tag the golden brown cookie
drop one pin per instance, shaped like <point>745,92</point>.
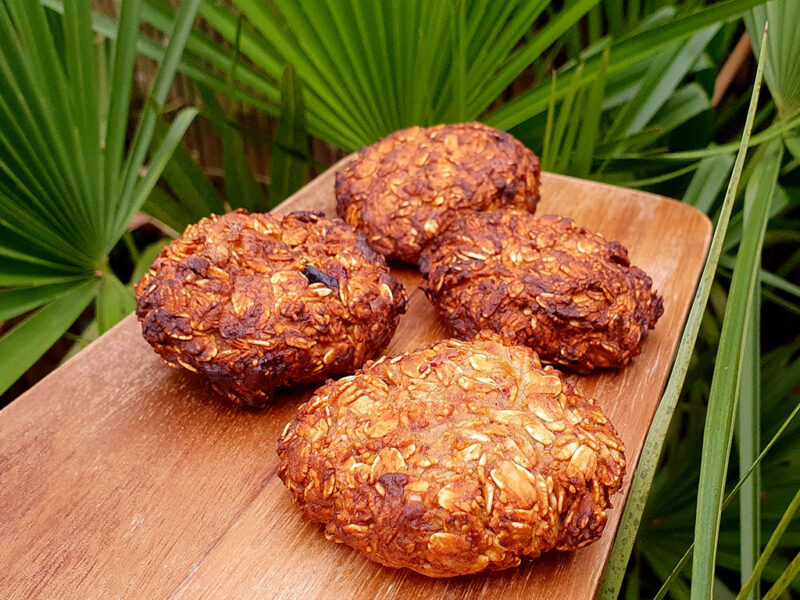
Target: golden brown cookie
<point>402,190</point>
<point>253,302</point>
<point>452,459</point>
<point>544,282</point>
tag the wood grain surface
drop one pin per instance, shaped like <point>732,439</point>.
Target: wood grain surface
<point>122,478</point>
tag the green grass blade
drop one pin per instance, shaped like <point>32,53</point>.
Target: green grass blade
<point>780,283</point>
<point>226,22</point>
<point>205,50</point>
<point>781,203</point>
<point>36,162</point>
<point>684,104</point>
<point>364,60</point>
<point>783,524</point>
<point>660,82</point>
<point>19,247</point>
<point>781,377</point>
<point>45,69</point>
<point>23,345</point>
<point>259,91</point>
<point>460,61</point>
<point>23,149</point>
<point>146,258</point>
<point>262,91</point>
<point>430,77</point>
<point>161,156</point>
<point>774,131</point>
<point>788,305</point>
<point>290,160</point>
<point>708,181</point>
<point>633,582</point>
<point>114,302</point>
<point>768,293</point>
<point>639,183</point>
<point>317,38</point>
<point>648,461</point>
<point>505,28</point>
<point>119,104</point>
<point>670,581</point>
<point>573,124</point>
<point>370,48</point>
<point>594,22</point>
<point>479,16</point>
<point>41,241</point>
<point>379,25</point>
<point>789,575</point>
<point>793,145</point>
<point>727,374</point>
<point>749,441</point>
<point>187,181</point>
<point>167,210</point>
<point>393,25</point>
<point>590,126</point>
<point>129,196</point>
<point>551,161</point>
<point>346,66</point>
<point>547,142</point>
<point>614,14</point>
<point>241,188</point>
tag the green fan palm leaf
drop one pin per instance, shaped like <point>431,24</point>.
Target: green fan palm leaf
<point>369,68</point>
<point>69,183</point>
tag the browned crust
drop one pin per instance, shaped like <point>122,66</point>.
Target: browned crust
<point>452,459</point>
<point>258,301</point>
<point>402,190</point>
<point>541,281</point>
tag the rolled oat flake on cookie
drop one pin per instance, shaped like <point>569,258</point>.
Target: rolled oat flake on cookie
<point>456,458</point>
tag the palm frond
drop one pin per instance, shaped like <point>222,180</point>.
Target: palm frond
<point>68,188</point>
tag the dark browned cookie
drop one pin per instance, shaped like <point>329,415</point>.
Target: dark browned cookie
<point>402,190</point>
<point>259,301</point>
<point>541,281</point>
<point>456,458</point>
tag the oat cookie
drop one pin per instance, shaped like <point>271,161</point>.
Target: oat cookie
<point>452,459</point>
<point>257,301</point>
<point>544,282</point>
<point>401,190</point>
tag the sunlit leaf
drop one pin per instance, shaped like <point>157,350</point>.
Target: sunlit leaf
<point>645,470</point>
<point>727,374</point>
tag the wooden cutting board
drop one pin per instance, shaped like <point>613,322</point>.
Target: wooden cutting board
<point>122,478</point>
